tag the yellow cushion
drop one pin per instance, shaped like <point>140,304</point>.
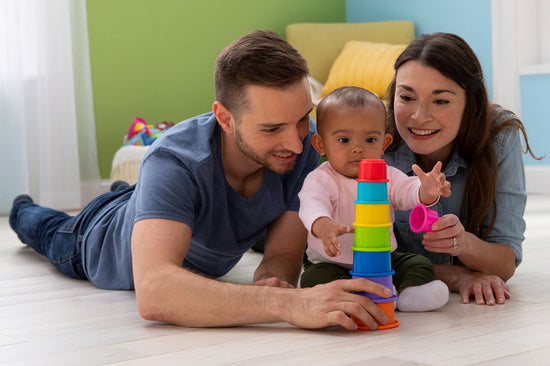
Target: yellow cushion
<point>321,43</point>
<point>368,65</point>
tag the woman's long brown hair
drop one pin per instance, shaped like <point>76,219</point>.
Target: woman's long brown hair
<point>453,58</point>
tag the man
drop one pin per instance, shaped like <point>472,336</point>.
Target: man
<point>208,190</point>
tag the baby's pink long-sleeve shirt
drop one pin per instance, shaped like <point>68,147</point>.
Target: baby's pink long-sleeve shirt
<point>328,193</point>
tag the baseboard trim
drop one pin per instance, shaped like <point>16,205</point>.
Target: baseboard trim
<point>537,178</point>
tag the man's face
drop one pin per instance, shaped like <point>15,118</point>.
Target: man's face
<point>273,125</point>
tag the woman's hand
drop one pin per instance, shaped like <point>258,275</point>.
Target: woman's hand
<point>447,236</point>
<point>485,289</point>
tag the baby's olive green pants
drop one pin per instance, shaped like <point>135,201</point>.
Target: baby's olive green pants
<point>410,270</point>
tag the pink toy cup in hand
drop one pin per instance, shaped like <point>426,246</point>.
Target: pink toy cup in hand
<point>422,218</point>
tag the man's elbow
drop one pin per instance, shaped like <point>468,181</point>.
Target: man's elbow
<point>148,305</point>
<point>156,303</point>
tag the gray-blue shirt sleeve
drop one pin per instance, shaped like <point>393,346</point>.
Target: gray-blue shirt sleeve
<point>511,195</point>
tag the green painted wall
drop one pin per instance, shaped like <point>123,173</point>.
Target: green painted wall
<point>155,58</point>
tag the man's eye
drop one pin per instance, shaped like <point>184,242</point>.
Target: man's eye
<point>271,130</point>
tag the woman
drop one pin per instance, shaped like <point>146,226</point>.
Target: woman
<point>439,111</point>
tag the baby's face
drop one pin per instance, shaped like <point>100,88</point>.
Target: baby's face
<point>350,134</point>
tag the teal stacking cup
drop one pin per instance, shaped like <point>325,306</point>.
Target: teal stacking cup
<point>369,192</point>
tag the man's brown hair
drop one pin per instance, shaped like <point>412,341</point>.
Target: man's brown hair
<point>262,58</point>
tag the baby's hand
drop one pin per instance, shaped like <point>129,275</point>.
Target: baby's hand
<point>433,184</point>
<point>329,231</point>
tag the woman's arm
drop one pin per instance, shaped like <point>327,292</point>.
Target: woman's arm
<point>476,254</point>
<point>488,265</point>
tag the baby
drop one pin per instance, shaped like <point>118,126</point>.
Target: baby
<point>351,126</point>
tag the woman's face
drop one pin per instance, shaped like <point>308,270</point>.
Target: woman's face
<point>428,111</point>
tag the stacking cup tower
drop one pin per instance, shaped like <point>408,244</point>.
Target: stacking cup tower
<point>372,247</point>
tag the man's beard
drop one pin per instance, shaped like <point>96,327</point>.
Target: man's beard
<point>247,151</point>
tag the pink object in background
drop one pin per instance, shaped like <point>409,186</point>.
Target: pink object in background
<point>422,218</point>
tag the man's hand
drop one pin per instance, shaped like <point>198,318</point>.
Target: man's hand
<point>335,303</point>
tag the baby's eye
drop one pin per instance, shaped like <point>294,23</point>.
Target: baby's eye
<point>343,140</point>
<point>371,140</point>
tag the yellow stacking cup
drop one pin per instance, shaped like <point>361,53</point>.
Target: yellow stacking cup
<point>372,214</point>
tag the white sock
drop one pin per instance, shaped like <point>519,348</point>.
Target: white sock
<point>429,296</point>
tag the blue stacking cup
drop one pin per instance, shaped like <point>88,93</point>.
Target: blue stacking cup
<point>368,192</point>
<point>371,263</point>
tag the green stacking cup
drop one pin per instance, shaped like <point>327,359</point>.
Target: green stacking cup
<point>372,237</point>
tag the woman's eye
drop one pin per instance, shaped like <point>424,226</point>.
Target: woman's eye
<point>405,98</point>
<point>442,101</point>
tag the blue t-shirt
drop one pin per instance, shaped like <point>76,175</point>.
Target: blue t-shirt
<point>181,178</point>
<point>511,197</point>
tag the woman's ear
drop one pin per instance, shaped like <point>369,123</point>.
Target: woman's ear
<point>317,143</point>
<point>387,141</point>
<point>224,117</point>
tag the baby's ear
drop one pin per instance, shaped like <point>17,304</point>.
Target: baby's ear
<point>387,140</point>
<point>317,143</point>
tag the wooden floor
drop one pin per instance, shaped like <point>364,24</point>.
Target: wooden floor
<point>46,319</point>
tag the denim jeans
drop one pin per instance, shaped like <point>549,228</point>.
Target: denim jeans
<point>57,235</point>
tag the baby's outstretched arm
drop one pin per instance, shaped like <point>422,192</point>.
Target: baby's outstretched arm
<point>329,230</point>
<point>433,184</point>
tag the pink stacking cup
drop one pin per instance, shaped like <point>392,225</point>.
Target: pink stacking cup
<point>372,170</point>
<point>422,218</point>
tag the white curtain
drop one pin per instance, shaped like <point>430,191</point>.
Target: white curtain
<point>521,46</point>
<point>47,143</point>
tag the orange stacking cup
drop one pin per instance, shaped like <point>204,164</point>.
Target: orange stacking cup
<point>390,312</point>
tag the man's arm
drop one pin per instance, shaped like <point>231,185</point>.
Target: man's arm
<point>167,292</point>
<point>284,252</point>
